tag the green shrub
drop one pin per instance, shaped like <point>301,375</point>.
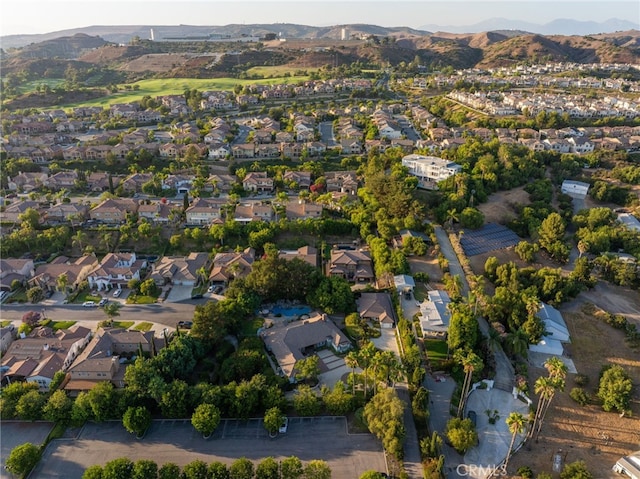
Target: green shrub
<point>526,472</point>
<point>581,379</point>
<point>580,396</point>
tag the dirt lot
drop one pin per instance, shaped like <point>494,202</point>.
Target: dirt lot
<point>500,207</point>
<point>588,433</point>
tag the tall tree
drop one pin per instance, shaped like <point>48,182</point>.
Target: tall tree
<point>516,423</point>
<point>470,362</point>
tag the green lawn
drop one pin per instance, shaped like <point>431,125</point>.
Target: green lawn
<point>177,86</point>
<point>436,352</point>
<point>250,327</point>
<point>4,323</point>
<point>86,296</point>
<point>140,299</point>
<point>56,325</point>
<point>32,86</point>
<point>144,326</point>
<point>122,324</point>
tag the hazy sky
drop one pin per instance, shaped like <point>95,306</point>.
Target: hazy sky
<point>42,16</point>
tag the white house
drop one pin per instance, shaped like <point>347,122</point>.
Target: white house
<point>430,169</point>
<point>629,465</point>
<point>556,332</point>
<point>115,271</point>
<point>435,314</point>
<point>629,221</point>
<point>404,283</point>
<point>575,189</point>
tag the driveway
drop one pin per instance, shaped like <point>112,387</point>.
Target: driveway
<point>179,293</point>
<point>308,438</point>
<point>493,439</point>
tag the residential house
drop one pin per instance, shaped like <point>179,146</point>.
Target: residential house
<point>181,270</point>
<point>12,269</point>
<point>352,265</point>
<point>300,179</point>
<point>315,148</point>
<point>268,151</point>
<point>342,181</point>
<point>301,210</point>
<point>350,147</point>
<point>204,211</point>
<point>292,342</point>
<point>181,183</point>
<point>376,307</point>
<point>100,360</point>
<point>26,182</point>
<point>115,271</point>
<point>74,213</point>
<point>291,150</point>
<point>404,283</point>
<point>46,275</point>
<point>223,183</point>
<point>13,212</point>
<point>38,357</point>
<point>134,182</point>
<point>430,169</point>
<point>435,314</point>
<point>7,335</point>
<point>255,211</point>
<point>99,181</point>
<point>284,137</point>
<point>227,266</point>
<point>157,212</point>
<point>258,182</point>
<point>556,332</point>
<point>308,254</point>
<point>219,151</point>
<point>114,210</point>
<point>244,150</point>
<point>577,189</point>
<point>62,179</point>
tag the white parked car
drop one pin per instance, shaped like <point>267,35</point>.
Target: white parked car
<point>117,293</point>
<point>89,304</point>
<point>285,425</point>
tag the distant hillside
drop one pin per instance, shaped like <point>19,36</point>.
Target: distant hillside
<point>69,47</point>
<point>557,27</point>
<point>97,61</point>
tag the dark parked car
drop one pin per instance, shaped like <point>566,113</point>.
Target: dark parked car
<point>185,324</point>
<point>196,296</point>
<point>474,418</point>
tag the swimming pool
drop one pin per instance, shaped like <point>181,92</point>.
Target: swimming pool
<point>291,310</point>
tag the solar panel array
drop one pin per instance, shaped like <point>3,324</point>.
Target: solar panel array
<point>488,238</point>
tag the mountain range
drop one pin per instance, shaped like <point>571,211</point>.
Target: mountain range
<point>124,33</point>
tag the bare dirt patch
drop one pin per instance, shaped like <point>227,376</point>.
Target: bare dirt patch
<point>157,62</point>
<point>587,433</point>
<point>501,207</point>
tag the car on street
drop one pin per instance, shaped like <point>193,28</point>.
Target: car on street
<point>103,302</point>
<point>117,293</point>
<point>196,296</point>
<point>285,425</point>
<point>89,304</point>
<point>185,324</point>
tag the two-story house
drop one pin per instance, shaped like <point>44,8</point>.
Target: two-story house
<point>352,265</point>
<point>114,210</point>
<point>115,271</point>
<point>258,182</point>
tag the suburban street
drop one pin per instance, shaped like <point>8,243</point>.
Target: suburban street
<point>167,314</point>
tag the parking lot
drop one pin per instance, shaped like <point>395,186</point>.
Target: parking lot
<point>348,455</point>
<point>15,433</point>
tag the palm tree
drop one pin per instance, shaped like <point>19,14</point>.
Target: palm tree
<point>365,355</point>
<point>452,215</point>
<point>545,388</point>
<point>493,340</point>
<point>79,239</point>
<point>351,360</point>
<point>516,423</point>
<point>61,282</point>
<point>556,368</point>
<point>583,247</point>
<point>470,363</point>
<point>518,342</point>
